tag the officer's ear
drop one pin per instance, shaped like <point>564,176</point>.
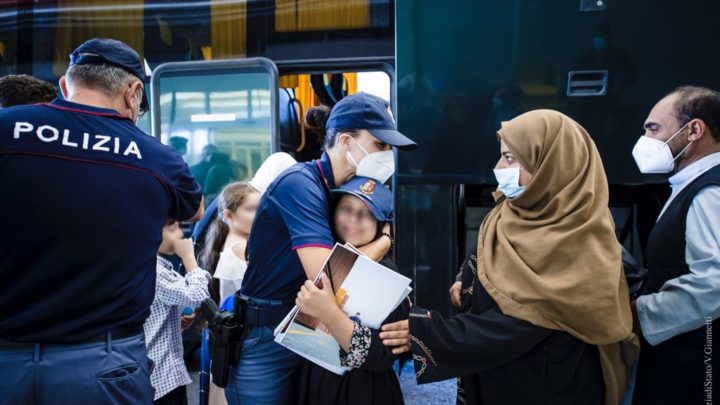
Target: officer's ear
<point>343,140</point>
<point>63,87</point>
<point>131,94</point>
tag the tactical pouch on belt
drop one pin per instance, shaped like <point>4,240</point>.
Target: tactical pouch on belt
<point>226,335</point>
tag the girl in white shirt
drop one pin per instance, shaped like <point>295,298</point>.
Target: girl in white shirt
<point>224,250</point>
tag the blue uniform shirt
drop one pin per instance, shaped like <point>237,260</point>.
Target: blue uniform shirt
<point>293,213</point>
<point>85,194</point>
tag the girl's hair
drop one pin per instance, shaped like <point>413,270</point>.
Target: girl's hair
<point>315,119</point>
<point>231,197</point>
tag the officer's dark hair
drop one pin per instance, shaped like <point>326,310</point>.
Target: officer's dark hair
<point>108,79</point>
<point>230,198</point>
<point>698,102</point>
<point>24,89</point>
<point>315,120</point>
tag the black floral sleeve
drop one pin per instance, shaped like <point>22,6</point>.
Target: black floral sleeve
<point>359,347</point>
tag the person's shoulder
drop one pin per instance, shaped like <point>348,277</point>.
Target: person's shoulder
<point>155,142</point>
<point>708,197</point>
<point>297,171</point>
<point>161,155</point>
<point>238,249</point>
<point>297,175</point>
<point>712,189</point>
<point>22,111</point>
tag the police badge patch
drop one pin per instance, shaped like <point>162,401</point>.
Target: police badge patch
<point>368,188</point>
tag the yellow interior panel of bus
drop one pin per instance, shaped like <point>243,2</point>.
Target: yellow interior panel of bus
<point>304,92</point>
<point>228,29</point>
<point>80,20</point>
<point>315,15</point>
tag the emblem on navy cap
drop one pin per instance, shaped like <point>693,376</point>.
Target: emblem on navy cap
<point>368,188</point>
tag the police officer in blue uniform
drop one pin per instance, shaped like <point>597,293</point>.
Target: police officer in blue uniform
<point>291,239</point>
<point>85,195</point>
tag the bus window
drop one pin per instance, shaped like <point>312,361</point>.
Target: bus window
<point>221,116</point>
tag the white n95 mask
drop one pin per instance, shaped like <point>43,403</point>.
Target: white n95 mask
<point>377,165</point>
<point>654,156</point>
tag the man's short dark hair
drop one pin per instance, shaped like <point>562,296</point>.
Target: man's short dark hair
<point>24,89</point>
<point>701,103</point>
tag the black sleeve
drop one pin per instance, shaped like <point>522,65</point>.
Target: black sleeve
<point>379,357</point>
<point>467,343</point>
<point>186,194</point>
<point>469,282</point>
<point>467,267</point>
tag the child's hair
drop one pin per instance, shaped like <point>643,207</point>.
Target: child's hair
<point>232,196</point>
<point>170,221</point>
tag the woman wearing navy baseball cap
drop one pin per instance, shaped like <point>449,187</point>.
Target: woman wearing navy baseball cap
<point>291,239</point>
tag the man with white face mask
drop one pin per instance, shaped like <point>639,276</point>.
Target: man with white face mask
<point>681,301</point>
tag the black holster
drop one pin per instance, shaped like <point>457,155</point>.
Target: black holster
<point>227,332</point>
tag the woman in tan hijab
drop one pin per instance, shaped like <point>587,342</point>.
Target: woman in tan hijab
<point>547,317</point>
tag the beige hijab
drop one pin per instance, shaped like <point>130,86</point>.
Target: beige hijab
<point>550,256</point>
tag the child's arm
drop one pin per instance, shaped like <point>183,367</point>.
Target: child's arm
<point>189,291</point>
<point>361,345</point>
<point>377,249</point>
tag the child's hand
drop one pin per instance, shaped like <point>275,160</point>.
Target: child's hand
<point>185,249</point>
<point>316,302</point>
<point>186,321</point>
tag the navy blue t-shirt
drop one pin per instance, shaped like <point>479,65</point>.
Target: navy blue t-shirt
<point>293,213</point>
<point>85,194</point>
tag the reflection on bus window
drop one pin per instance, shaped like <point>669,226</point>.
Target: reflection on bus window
<point>219,123</point>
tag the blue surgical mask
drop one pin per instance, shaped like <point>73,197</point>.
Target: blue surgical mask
<point>509,181</point>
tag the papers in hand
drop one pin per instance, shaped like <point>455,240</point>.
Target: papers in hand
<point>365,290</point>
